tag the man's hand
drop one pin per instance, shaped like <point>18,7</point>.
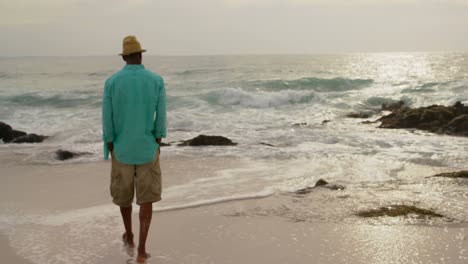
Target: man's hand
<point>158,140</point>
<point>110,146</point>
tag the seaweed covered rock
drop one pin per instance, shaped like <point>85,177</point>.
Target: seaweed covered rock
<point>451,120</point>
<point>203,140</point>
<point>398,210</point>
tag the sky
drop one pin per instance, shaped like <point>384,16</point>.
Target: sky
<point>211,27</point>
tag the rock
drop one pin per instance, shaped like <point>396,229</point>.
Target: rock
<point>65,155</point>
<point>452,120</point>
<point>458,125</point>
<point>459,174</point>
<point>17,133</point>
<point>300,124</point>
<point>203,140</point>
<point>321,182</point>
<point>392,106</point>
<point>304,190</point>
<point>398,210</point>
<point>29,138</point>
<point>359,115</point>
<point>5,132</point>
<point>368,122</point>
<point>325,121</point>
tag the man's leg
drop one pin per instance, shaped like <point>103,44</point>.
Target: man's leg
<point>127,220</point>
<point>146,213</point>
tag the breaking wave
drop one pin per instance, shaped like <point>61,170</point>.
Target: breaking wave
<point>55,101</point>
<point>259,99</point>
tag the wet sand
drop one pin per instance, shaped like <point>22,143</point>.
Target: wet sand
<point>63,214</point>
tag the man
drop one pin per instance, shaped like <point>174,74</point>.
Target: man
<point>134,121</point>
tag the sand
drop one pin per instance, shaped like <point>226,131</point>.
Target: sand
<point>63,214</point>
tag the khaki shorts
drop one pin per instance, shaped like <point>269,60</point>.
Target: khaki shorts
<point>144,178</point>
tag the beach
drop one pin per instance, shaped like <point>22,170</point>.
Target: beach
<point>294,120</point>
<point>63,214</point>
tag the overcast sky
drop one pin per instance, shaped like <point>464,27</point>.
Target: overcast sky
<point>199,27</point>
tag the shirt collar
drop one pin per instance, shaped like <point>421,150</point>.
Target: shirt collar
<point>133,67</point>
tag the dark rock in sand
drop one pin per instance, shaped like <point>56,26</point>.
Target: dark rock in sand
<point>203,140</point>
<point>29,138</point>
<point>65,154</point>
<point>322,184</point>
<point>300,124</point>
<point>451,120</point>
<point>398,210</point>
<point>267,144</point>
<point>459,174</point>
<point>325,121</point>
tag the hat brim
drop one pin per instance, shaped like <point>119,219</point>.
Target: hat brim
<point>129,53</point>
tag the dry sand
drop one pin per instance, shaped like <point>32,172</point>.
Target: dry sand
<point>70,220</point>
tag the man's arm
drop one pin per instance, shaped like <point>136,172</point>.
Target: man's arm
<point>159,127</point>
<point>107,123</point>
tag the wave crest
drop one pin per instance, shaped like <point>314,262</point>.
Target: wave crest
<point>259,99</point>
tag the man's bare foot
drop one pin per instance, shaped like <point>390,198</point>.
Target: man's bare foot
<point>128,240</point>
<point>141,258</point>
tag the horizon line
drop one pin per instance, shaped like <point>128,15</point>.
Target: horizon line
<point>239,54</point>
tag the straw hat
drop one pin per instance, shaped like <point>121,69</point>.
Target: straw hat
<point>130,46</point>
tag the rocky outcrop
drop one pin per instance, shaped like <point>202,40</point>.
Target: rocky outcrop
<point>451,120</point>
<point>29,138</point>
<point>9,135</point>
<point>203,140</point>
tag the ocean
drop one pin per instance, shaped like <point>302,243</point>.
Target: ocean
<point>274,107</point>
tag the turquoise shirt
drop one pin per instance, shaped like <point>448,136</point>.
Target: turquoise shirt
<point>133,114</point>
